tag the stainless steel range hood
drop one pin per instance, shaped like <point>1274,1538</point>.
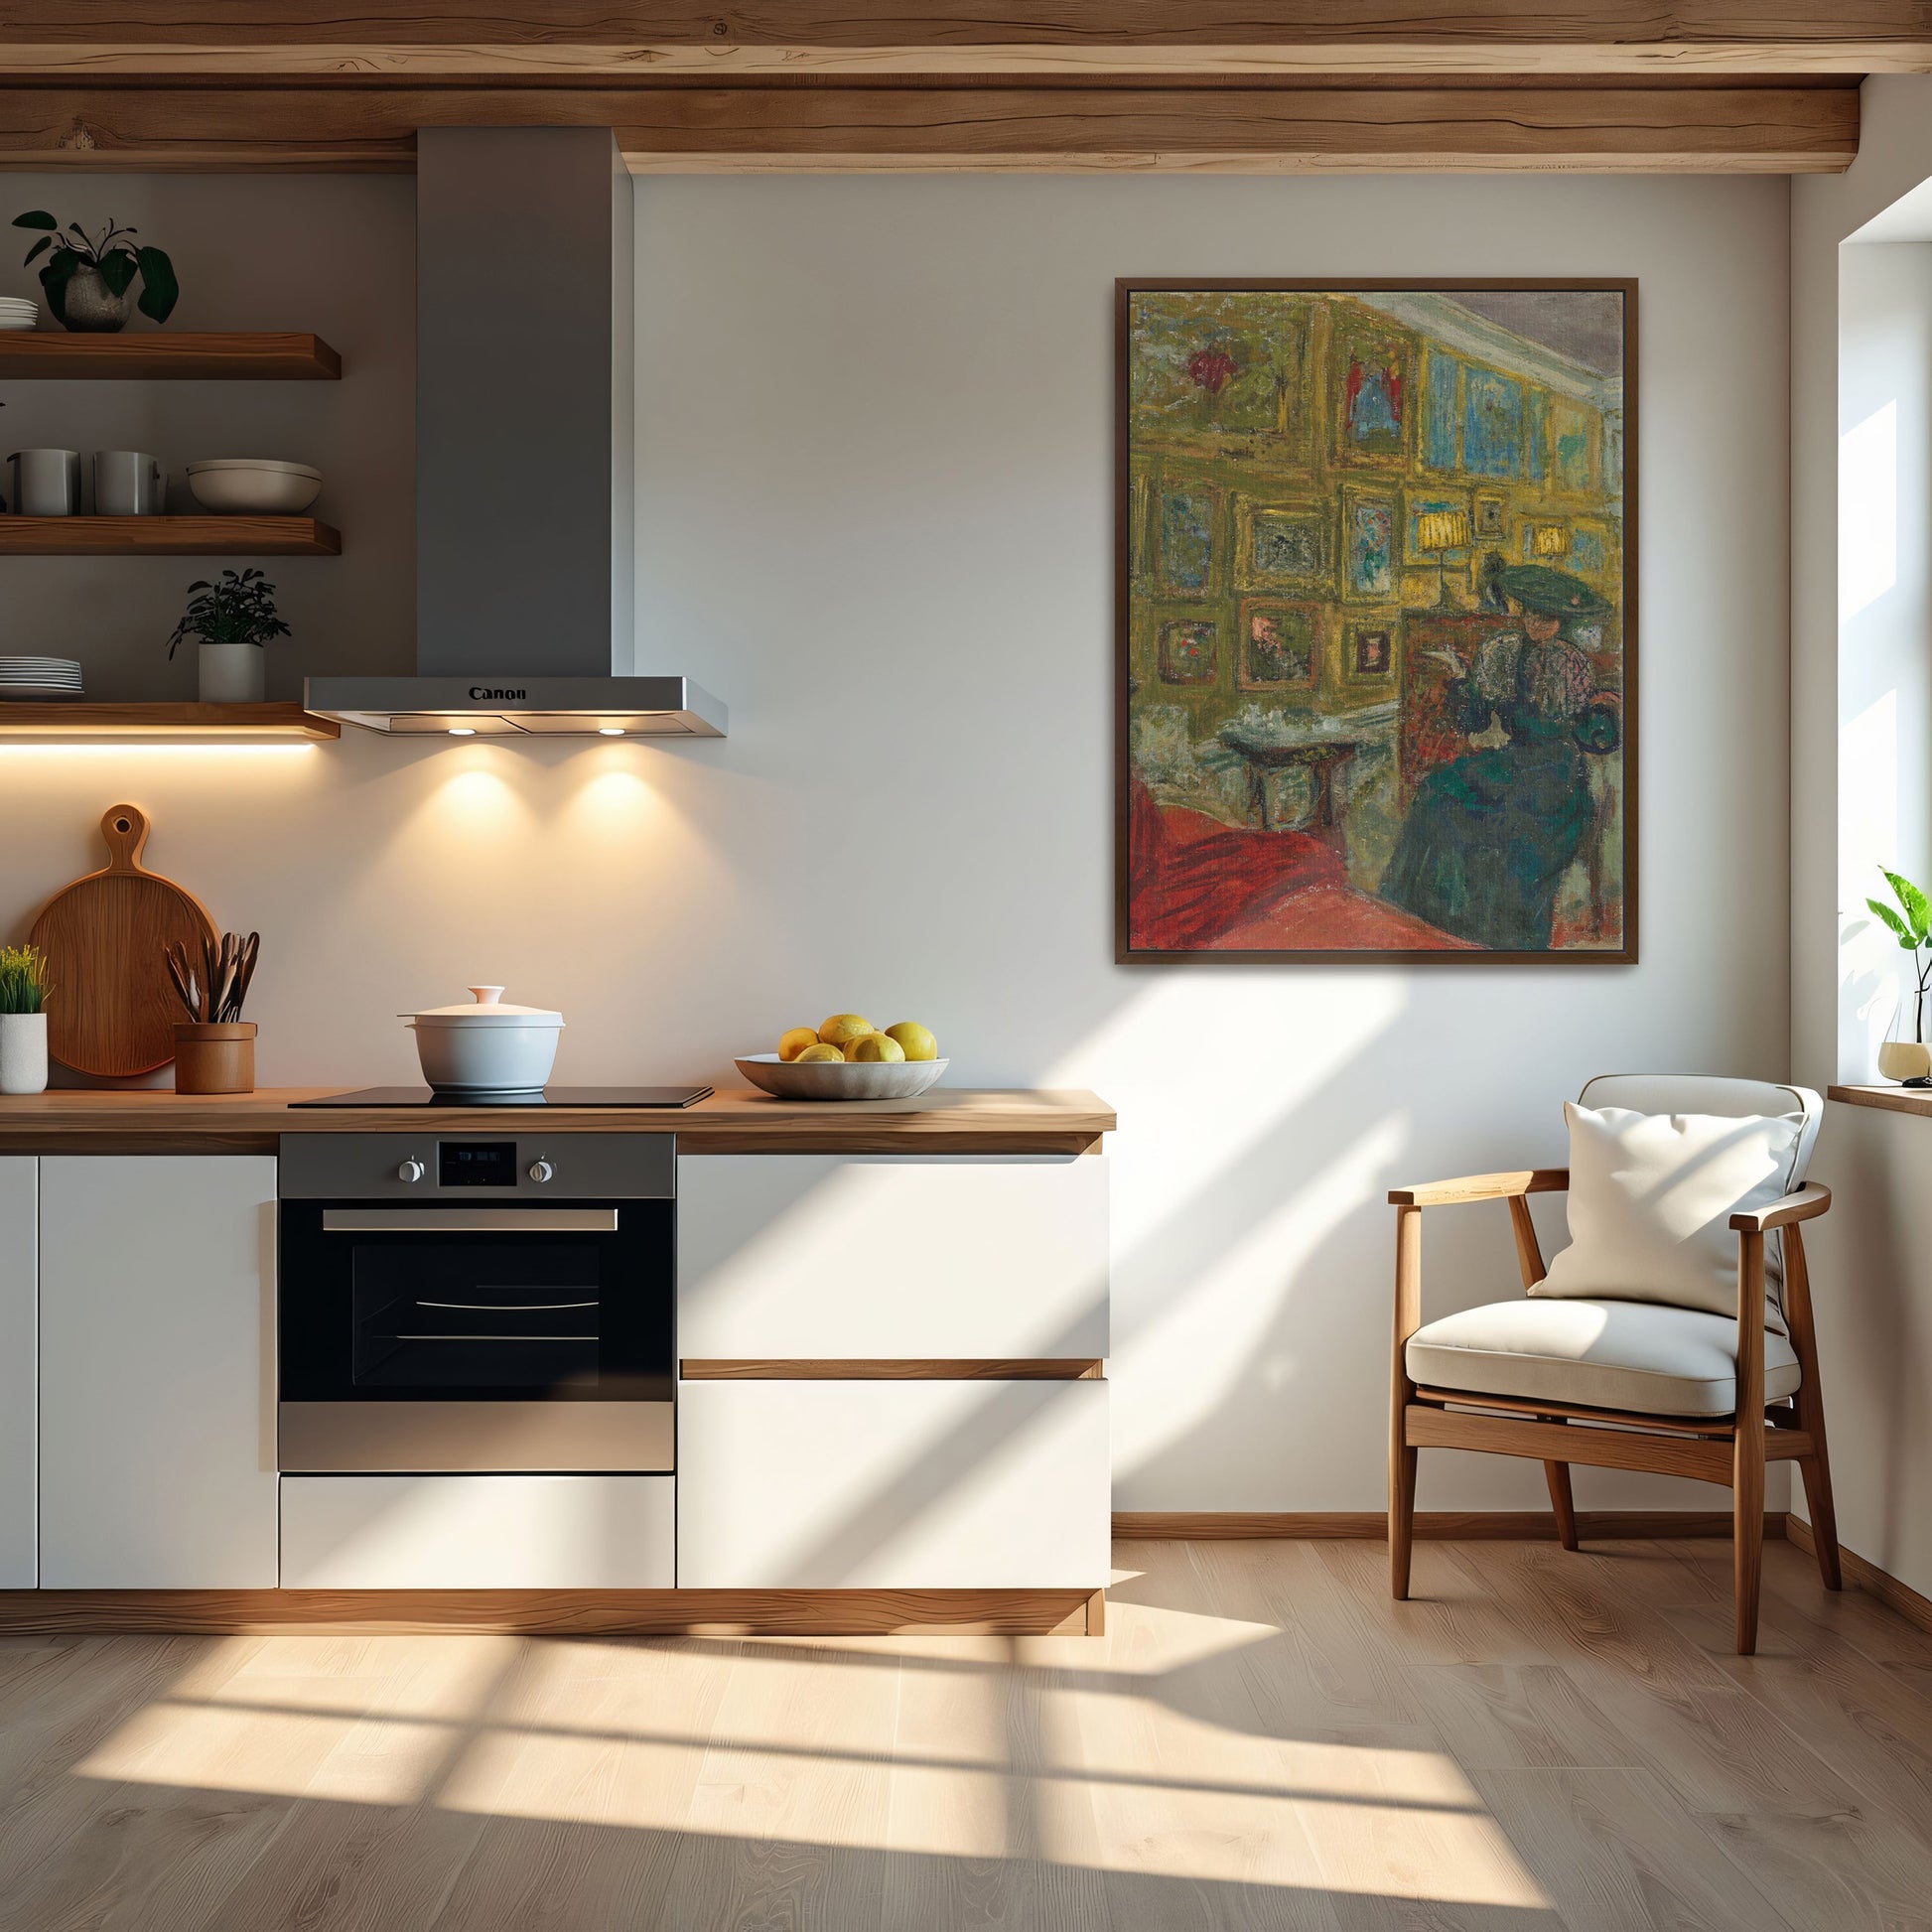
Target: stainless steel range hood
<point>524,620</point>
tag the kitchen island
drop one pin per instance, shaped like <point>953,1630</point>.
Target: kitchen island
<point>890,1336</point>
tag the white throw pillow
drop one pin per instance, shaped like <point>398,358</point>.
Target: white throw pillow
<point>1651,1196</point>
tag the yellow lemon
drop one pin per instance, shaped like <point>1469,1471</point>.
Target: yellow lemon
<point>843,1026</point>
<point>796,1039</point>
<point>916,1039</point>
<point>875,1047</point>
<point>812,1055</point>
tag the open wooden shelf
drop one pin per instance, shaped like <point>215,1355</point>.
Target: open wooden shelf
<point>104,720</point>
<point>168,536</point>
<point>204,358</point>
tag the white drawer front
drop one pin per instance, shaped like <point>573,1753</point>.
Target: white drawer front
<point>893,1485</point>
<point>820,1257</point>
<point>497,1532</point>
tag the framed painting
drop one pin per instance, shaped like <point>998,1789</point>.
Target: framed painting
<point>1375,625</point>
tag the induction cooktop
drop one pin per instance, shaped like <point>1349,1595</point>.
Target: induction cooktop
<point>549,1097</point>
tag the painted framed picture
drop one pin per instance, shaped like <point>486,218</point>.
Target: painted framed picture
<point>1368,650</point>
<point>1189,651</point>
<point>1280,645</point>
<point>1368,543</point>
<point>1377,665</point>
<point>1284,543</point>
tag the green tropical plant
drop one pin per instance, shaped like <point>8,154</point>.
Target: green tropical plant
<point>1911,927</point>
<point>238,609</point>
<point>24,985</point>
<point>113,253</point>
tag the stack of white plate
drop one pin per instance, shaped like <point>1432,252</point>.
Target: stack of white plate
<point>40,678</point>
<point>17,311</point>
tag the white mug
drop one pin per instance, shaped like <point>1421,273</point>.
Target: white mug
<point>126,483</point>
<point>47,482</point>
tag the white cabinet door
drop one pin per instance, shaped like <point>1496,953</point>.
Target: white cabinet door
<point>893,1485</point>
<point>494,1532</point>
<point>19,1351</point>
<point>822,1257</point>
<point>157,1372</point>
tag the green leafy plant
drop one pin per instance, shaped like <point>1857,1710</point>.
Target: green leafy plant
<point>24,985</point>
<point>1911,927</point>
<point>238,609</point>
<point>113,253</point>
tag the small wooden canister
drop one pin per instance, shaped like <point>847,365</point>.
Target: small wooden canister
<point>214,1059</point>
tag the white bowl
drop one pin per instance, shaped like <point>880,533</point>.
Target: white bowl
<point>238,487</point>
<point>841,1079</point>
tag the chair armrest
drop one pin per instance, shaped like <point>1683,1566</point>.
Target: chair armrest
<point>1809,1201</point>
<point>1482,1186</point>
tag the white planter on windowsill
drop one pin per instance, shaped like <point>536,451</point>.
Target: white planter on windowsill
<point>234,673</point>
<point>23,1053</point>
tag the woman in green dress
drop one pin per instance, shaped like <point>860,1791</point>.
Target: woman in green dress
<point>1488,837</point>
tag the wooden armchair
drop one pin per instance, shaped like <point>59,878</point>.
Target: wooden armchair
<point>1724,1427</point>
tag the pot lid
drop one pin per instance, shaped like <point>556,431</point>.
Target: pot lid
<point>489,1010</point>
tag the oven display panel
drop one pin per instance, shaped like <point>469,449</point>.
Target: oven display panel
<point>477,1163</point>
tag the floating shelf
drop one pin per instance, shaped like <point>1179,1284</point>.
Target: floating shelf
<point>105,721</point>
<point>168,536</point>
<point>42,356</point>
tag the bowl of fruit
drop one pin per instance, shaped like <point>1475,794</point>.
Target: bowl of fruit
<point>847,1058</point>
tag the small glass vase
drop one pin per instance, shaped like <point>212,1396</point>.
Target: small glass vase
<point>1906,1056</point>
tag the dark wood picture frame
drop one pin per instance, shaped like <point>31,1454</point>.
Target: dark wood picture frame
<point>1125,289</point>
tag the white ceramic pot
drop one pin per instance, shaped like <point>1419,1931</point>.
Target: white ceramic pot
<point>488,1048</point>
<point>23,1053</point>
<point>234,673</point>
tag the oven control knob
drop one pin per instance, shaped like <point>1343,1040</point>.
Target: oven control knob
<point>411,1170</point>
<point>541,1170</point>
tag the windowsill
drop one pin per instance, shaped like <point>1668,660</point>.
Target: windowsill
<point>1893,1100</point>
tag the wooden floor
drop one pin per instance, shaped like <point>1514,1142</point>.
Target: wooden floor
<point>1261,1740</point>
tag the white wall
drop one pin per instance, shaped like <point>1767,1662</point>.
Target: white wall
<point>875,513</point>
<point>1862,786</point>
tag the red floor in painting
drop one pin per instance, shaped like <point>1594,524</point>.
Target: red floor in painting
<point>1199,886</point>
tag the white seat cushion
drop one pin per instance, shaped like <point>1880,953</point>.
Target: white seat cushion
<point>1641,1355</point>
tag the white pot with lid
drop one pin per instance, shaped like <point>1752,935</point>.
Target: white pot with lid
<point>487,1049</point>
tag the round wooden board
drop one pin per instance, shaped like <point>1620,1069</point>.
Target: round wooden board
<point>113,1010</point>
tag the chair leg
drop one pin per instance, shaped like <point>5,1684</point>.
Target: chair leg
<point>1402,1517</point>
<point>1561,1502</point>
<point>1817,1467</point>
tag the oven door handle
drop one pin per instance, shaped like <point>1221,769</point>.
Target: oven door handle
<point>469,1220</point>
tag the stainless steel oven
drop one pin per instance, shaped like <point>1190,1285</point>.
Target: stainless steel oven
<point>478,1302</point>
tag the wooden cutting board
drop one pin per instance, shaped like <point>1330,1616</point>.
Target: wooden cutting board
<point>114,1009</point>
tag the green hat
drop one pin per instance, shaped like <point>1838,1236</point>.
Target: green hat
<point>1548,593</point>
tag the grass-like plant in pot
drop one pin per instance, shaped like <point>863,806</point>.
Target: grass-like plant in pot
<point>87,278</point>
<point>25,988</point>
<point>233,618</point>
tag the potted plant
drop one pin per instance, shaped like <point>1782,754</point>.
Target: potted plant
<point>87,280</point>
<point>233,619</point>
<point>1906,1056</point>
<point>24,988</point>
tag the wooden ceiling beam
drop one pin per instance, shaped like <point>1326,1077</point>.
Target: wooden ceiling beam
<point>1220,128</point>
<point>426,41</point>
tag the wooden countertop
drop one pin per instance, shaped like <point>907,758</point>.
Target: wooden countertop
<point>949,1120</point>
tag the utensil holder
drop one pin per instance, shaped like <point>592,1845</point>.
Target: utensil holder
<point>214,1058</point>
